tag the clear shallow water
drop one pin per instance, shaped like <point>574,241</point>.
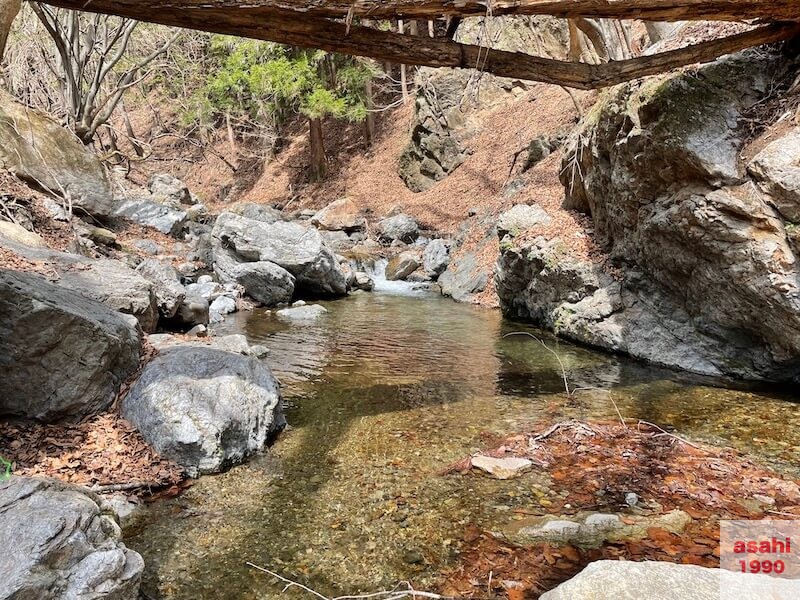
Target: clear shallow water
<point>382,393</point>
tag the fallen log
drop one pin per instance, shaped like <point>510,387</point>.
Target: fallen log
<point>310,32</point>
<point>653,10</point>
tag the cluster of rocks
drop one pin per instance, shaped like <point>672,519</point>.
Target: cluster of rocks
<point>61,542</point>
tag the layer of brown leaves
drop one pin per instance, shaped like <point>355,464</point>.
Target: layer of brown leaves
<point>104,450</point>
<point>597,463</point>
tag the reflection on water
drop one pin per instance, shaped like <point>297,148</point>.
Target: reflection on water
<point>382,393</point>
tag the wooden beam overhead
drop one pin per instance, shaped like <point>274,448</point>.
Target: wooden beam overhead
<point>652,10</point>
<point>288,27</point>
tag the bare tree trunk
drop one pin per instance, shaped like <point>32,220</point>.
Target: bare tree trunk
<point>137,146</point>
<point>369,122</point>
<point>403,72</point>
<point>319,163</point>
<point>8,11</point>
<point>231,138</point>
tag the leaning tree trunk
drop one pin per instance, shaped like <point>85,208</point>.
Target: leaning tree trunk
<point>319,163</point>
<point>8,11</point>
<point>369,121</point>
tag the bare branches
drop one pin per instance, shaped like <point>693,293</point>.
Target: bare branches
<point>92,62</point>
<point>570,391</point>
<point>396,594</point>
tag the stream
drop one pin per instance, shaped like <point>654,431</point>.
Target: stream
<point>382,393</point>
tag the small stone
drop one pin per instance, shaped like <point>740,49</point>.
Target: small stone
<point>259,351</point>
<point>198,331</point>
<point>501,468</point>
<point>220,307</point>
<point>631,499</point>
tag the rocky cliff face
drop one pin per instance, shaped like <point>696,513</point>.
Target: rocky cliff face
<point>703,243</point>
<point>449,101</point>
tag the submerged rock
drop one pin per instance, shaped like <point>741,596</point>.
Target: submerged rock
<point>596,529</point>
<point>302,313</point>
<point>206,409</point>
<point>57,545</point>
<point>61,355</point>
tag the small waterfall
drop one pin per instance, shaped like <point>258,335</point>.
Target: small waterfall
<point>377,271</point>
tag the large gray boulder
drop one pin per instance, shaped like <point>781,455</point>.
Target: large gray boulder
<point>41,152</point>
<point>707,277</point>
<point>106,280</point>
<point>169,190</point>
<point>436,257</point>
<point>263,281</point>
<point>167,286</point>
<point>299,249</point>
<point>160,217</point>
<point>626,580</point>
<point>521,218</point>
<point>259,212</point>
<point>206,409</point>
<point>401,266</point>
<point>463,278</point>
<point>340,215</point>
<point>58,545</point>
<point>403,228</point>
<point>61,355</point>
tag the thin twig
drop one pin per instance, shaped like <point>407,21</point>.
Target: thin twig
<point>570,393</point>
<point>395,594</point>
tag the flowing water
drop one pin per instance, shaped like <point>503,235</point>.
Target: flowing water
<point>382,393</point>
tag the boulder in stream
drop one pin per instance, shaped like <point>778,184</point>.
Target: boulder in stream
<point>298,249</point>
<point>401,266</point>
<point>263,281</point>
<point>204,408</point>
